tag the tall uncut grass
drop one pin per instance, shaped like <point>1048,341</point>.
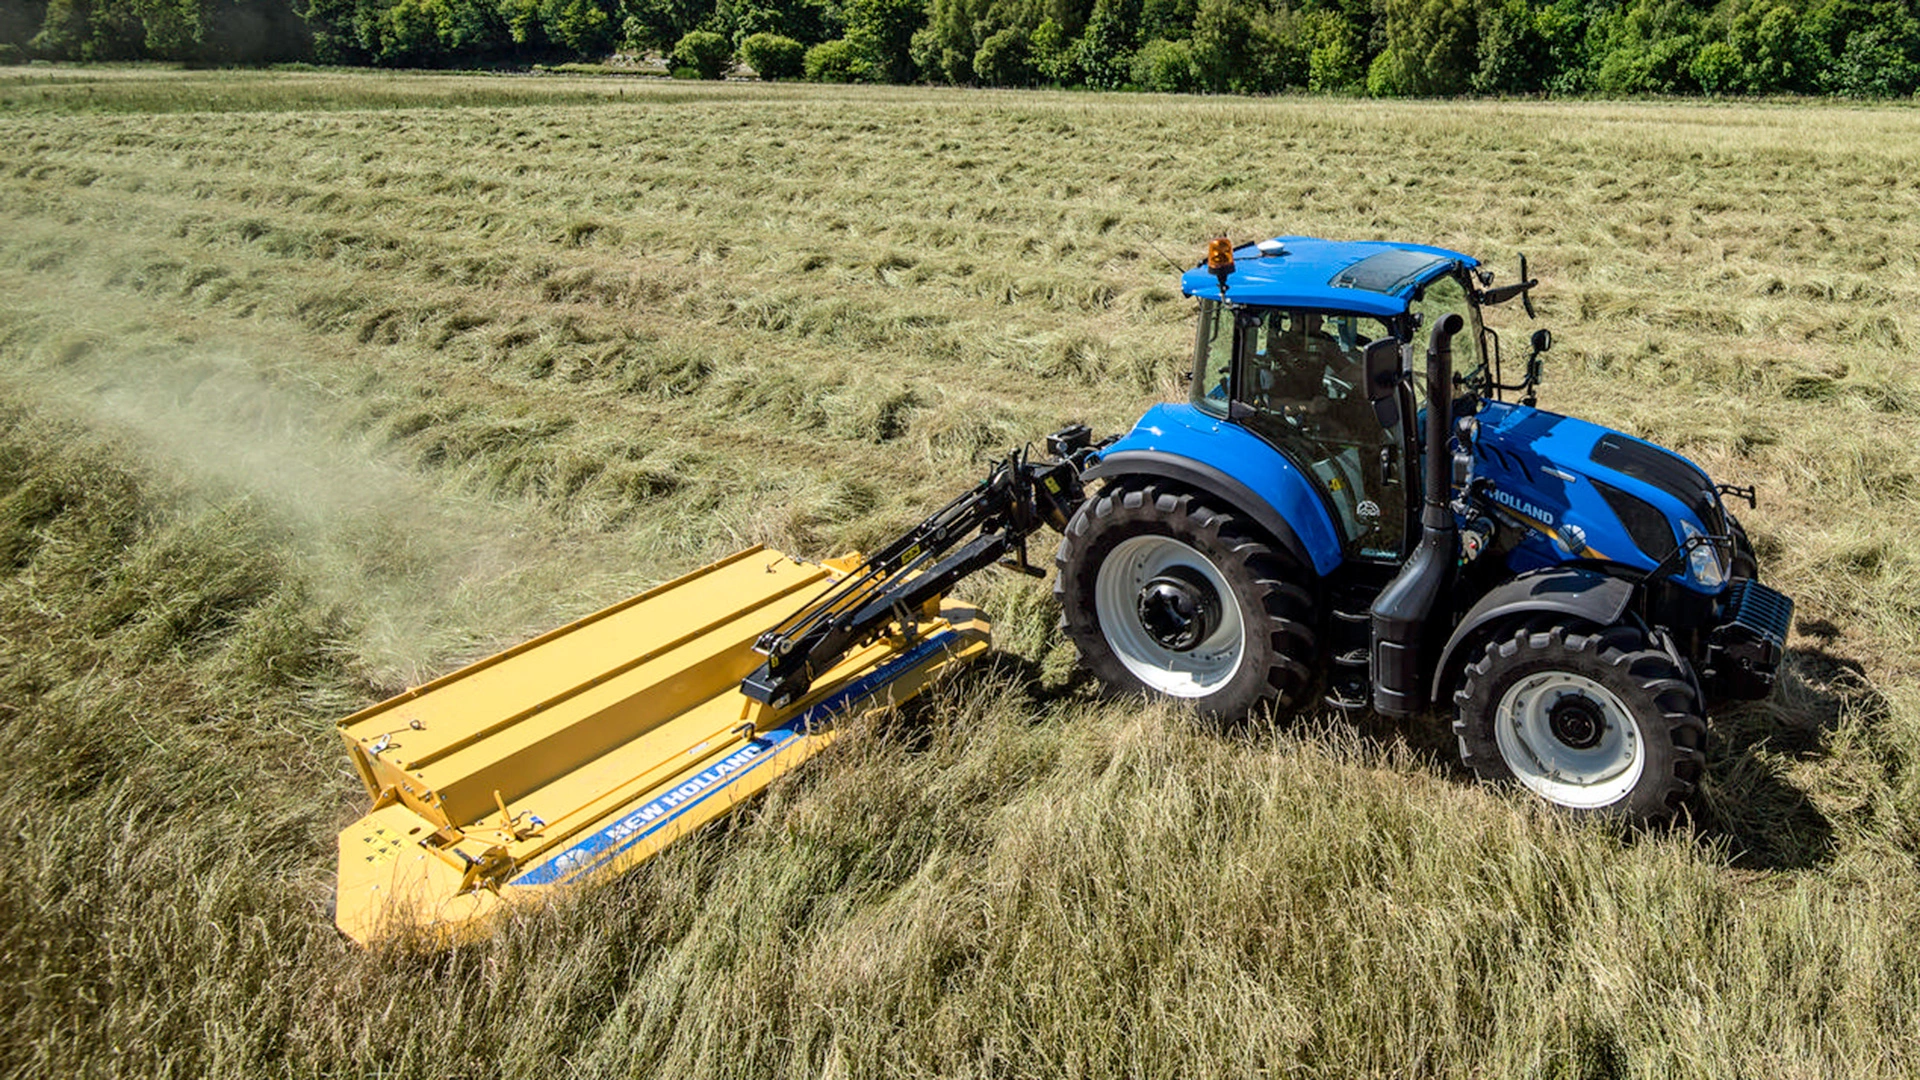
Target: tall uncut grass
<point>314,385</point>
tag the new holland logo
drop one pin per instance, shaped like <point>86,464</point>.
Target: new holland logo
<point>1521,506</point>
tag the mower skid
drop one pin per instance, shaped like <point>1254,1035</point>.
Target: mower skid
<point>588,749</point>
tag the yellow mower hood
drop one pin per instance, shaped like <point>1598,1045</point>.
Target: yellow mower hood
<point>586,750</point>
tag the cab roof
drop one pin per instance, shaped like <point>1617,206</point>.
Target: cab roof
<point>1369,277</point>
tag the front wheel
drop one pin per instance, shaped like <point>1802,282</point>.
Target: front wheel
<point>1162,592</point>
<point>1599,721</point>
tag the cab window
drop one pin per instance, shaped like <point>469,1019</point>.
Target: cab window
<point>1213,358</point>
<point>1301,374</point>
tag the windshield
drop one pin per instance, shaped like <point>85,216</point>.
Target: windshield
<point>1441,297</point>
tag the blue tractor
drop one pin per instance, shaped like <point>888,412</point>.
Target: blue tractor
<point>1336,514</point>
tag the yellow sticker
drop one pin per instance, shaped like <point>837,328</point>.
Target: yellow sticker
<point>381,845</point>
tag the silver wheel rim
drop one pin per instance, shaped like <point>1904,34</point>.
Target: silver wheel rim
<point>1549,765</point>
<point>1194,673</point>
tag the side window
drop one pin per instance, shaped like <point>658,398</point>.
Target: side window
<point>1302,373</point>
<point>1213,358</point>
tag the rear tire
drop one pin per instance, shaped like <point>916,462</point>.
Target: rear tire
<point>1162,592</point>
<point>1596,721</point>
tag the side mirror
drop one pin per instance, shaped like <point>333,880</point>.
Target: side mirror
<point>1384,370</point>
<point>1542,341</point>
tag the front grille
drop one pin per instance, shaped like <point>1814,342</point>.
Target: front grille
<point>1767,613</point>
<point>1744,653</point>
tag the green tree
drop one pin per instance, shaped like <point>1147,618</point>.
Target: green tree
<point>805,21</point>
<point>880,32</point>
<point>706,52</point>
<point>522,19</point>
<point>174,29</point>
<point>583,27</point>
<point>1764,35</point>
<point>1005,58</point>
<point>1717,68</point>
<point>813,21</point>
<point>1103,54</point>
<point>1337,63</point>
<point>1165,67</point>
<point>1221,33</point>
<point>945,47</point>
<point>1879,61</point>
<point>1430,49</point>
<point>833,61</point>
<point>1563,30</point>
<point>774,56</point>
<point>1052,52</point>
<point>1280,51</point>
<point>90,30</point>
<point>331,24</point>
<point>1861,48</point>
<point>658,24</point>
<point>1646,47</point>
<point>1169,20</point>
<point>1512,53</point>
<point>473,28</point>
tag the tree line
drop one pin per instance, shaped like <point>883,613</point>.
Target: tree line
<point>1854,48</point>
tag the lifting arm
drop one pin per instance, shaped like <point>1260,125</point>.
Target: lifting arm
<point>993,520</point>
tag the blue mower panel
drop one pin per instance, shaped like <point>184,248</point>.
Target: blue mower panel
<point>1366,277</point>
<point>1181,443</point>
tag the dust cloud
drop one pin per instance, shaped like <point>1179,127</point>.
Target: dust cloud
<point>430,577</point>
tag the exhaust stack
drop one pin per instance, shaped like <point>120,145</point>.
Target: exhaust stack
<point>1402,615</point>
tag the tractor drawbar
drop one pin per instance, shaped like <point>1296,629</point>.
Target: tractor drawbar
<point>1402,615</point>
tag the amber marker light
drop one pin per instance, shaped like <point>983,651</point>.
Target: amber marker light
<point>1220,260</point>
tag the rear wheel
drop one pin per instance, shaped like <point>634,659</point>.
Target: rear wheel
<point>1599,721</point>
<point>1162,592</point>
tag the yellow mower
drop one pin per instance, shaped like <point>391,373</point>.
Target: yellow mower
<point>590,748</point>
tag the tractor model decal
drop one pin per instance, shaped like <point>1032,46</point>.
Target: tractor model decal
<point>1521,506</point>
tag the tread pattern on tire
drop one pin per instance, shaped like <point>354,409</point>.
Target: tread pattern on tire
<point>1621,655</point>
<point>1273,588</point>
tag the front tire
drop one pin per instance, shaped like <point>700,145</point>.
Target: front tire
<point>1162,592</point>
<point>1597,721</point>
<point>1744,564</point>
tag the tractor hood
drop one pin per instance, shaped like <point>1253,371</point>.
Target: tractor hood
<point>1585,492</point>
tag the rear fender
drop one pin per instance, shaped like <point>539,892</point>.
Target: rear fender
<point>1569,592</point>
<point>1177,443</point>
<point>1203,478</point>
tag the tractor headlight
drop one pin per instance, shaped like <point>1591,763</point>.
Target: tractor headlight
<point>1703,559</point>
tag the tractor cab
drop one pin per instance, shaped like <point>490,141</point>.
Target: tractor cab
<point>1283,336</point>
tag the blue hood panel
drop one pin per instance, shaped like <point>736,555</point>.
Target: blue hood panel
<point>1545,476</point>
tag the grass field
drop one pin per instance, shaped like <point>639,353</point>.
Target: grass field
<point>314,384</point>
